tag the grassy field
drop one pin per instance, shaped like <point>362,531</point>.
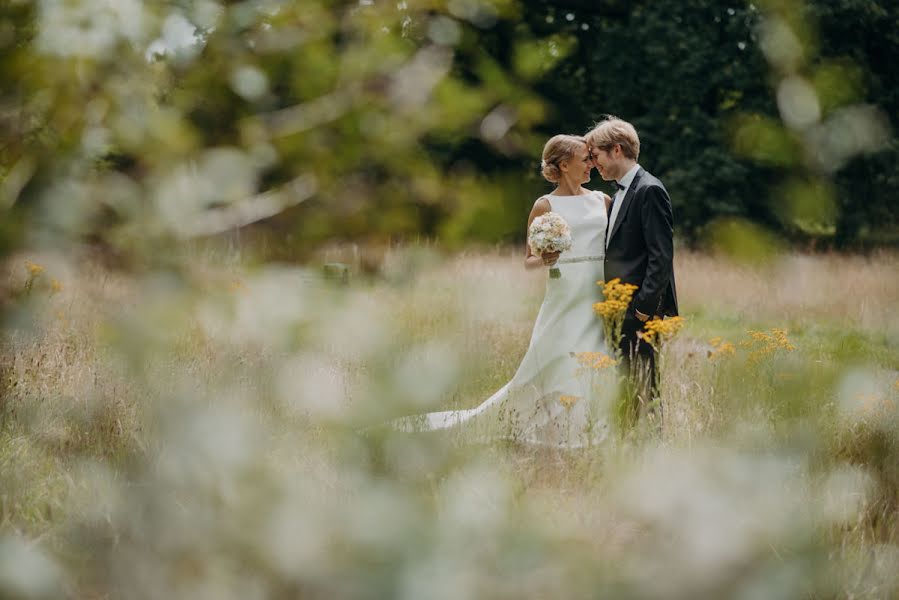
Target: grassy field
<point>205,433</point>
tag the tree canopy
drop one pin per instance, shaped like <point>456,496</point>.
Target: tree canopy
<point>136,125</point>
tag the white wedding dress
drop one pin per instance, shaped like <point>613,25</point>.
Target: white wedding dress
<point>552,399</point>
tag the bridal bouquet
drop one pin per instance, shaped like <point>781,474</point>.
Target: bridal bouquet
<point>549,233</point>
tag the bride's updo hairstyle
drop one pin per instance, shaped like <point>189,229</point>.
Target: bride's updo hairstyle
<point>557,150</point>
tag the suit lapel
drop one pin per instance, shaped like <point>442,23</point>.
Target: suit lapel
<point>625,203</point>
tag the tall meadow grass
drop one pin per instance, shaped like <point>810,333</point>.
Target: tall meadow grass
<point>215,432</point>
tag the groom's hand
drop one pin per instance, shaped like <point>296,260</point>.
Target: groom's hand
<point>550,258</point>
<point>640,316</point>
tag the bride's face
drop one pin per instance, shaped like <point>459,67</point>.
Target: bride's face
<point>578,167</point>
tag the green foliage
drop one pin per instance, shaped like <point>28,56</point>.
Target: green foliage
<point>122,130</point>
<point>366,122</point>
<point>701,85</point>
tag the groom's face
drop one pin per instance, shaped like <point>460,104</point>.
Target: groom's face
<point>606,161</point>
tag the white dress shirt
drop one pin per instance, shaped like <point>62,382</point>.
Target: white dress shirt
<point>619,198</point>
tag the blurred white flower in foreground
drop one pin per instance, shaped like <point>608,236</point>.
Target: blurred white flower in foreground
<point>25,572</point>
<point>90,28</point>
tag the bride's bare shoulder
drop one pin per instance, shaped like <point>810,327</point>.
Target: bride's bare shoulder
<point>541,205</point>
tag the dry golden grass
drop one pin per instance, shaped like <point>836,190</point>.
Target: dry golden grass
<point>860,292</point>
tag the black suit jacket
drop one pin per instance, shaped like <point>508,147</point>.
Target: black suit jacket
<point>641,249</point>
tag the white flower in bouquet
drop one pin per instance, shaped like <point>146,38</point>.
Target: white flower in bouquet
<point>549,233</point>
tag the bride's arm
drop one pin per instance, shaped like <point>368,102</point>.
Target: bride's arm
<point>608,200</point>
<point>532,261</point>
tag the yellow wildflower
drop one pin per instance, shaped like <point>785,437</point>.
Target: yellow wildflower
<point>780,338</point>
<point>614,290</point>
<point>595,360</point>
<point>568,401</point>
<point>720,348</point>
<point>617,298</point>
<point>55,286</point>
<point>658,331</point>
<point>764,343</point>
<point>34,269</point>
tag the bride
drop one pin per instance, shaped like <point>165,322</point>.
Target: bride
<point>558,396</point>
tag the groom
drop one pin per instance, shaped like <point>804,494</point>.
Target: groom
<point>639,248</point>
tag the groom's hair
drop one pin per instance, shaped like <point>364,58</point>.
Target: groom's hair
<point>611,130</point>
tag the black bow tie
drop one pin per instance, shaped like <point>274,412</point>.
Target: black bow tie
<point>620,187</point>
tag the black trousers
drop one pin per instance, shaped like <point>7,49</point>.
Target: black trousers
<point>638,365</point>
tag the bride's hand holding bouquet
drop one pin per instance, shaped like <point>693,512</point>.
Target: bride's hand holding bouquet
<point>549,236</point>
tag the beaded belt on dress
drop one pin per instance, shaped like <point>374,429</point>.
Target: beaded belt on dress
<point>577,259</point>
